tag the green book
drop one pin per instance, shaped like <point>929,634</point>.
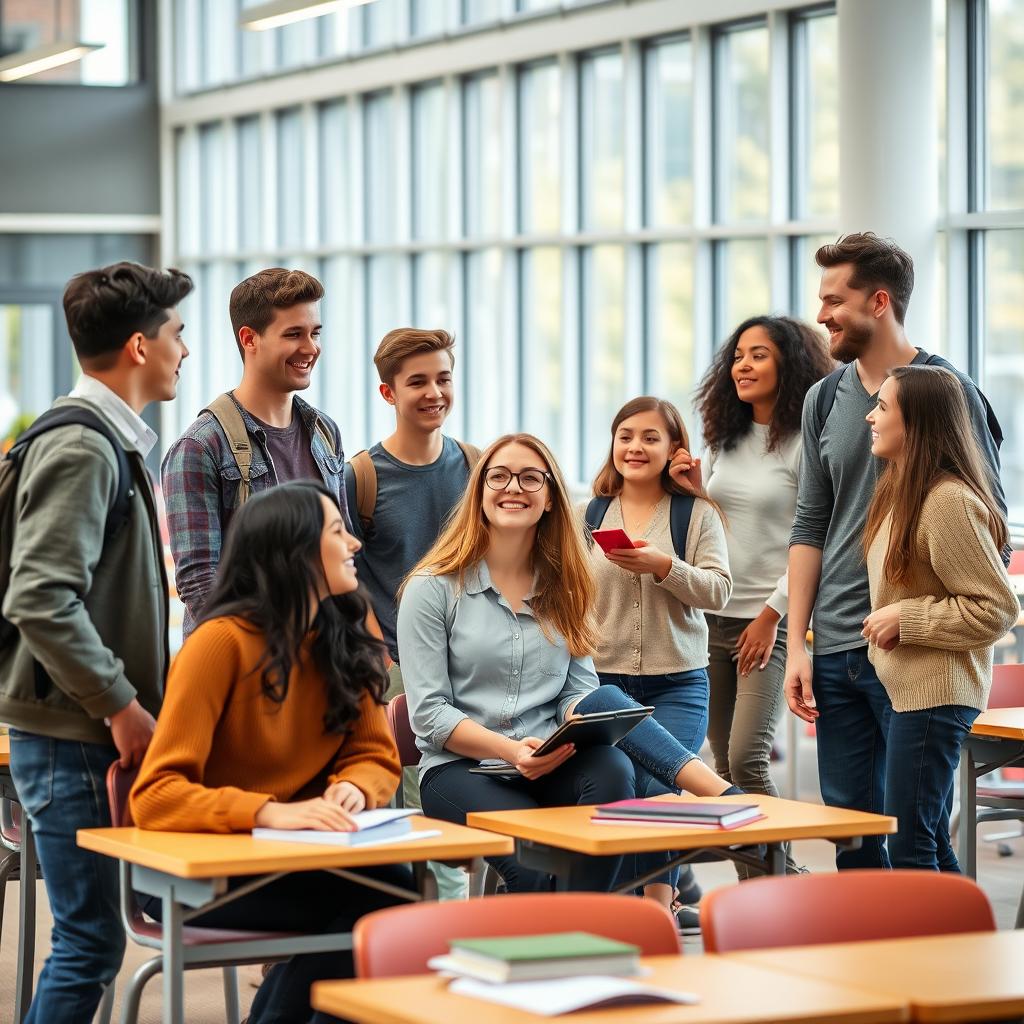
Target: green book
<point>534,957</point>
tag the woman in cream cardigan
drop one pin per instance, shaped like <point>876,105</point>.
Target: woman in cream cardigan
<point>940,598</point>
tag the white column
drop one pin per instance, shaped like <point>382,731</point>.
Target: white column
<point>888,175</point>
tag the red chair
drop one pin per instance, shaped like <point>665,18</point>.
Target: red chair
<point>850,906</point>
<point>1016,566</point>
<point>401,729</point>
<point>1004,800</point>
<point>400,940</point>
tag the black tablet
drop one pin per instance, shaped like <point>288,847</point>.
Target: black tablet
<point>603,728</point>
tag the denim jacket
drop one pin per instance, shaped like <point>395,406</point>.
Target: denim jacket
<point>201,481</point>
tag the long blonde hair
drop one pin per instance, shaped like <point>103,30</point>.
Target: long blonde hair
<point>564,591</point>
<point>939,443</point>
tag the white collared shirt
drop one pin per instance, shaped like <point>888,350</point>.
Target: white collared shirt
<point>138,433</point>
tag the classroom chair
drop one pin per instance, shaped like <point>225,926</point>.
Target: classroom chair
<point>400,940</point>
<point>848,906</point>
<point>200,943</point>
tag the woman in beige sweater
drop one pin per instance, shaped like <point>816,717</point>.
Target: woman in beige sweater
<point>940,598</point>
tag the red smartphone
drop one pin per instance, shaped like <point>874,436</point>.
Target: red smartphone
<point>612,540</point>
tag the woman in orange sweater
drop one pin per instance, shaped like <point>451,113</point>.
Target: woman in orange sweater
<point>273,717</point>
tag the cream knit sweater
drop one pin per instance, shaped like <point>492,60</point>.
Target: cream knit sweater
<point>957,602</point>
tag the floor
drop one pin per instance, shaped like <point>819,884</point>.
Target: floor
<point>1001,877</point>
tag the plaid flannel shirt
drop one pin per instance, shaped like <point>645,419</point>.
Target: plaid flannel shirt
<point>201,481</point>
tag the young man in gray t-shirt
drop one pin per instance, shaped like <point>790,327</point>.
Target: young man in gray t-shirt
<point>865,287</point>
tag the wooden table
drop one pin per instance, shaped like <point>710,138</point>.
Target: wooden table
<point>547,837</point>
<point>730,991</point>
<point>27,867</point>
<point>190,872</point>
<point>995,741</point>
<point>969,977</point>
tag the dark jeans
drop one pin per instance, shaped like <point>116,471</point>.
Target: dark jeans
<point>874,759</point>
<point>62,787</point>
<point>680,701</point>
<point>307,901</point>
<point>591,776</point>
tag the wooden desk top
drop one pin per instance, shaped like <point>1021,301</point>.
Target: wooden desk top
<point>1006,723</point>
<point>570,828</point>
<point>729,995</point>
<point>208,855</point>
<point>5,750</point>
<point>968,977</point>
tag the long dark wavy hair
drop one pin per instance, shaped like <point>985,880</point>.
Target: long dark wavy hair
<point>270,573</point>
<point>803,360</point>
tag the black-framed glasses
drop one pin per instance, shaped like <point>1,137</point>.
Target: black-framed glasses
<point>499,477</point>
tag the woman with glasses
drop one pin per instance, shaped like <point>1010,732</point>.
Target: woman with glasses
<point>496,633</point>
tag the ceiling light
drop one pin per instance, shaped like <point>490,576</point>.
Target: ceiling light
<point>43,58</point>
<point>276,13</point>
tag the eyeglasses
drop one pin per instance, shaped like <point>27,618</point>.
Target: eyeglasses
<point>499,477</point>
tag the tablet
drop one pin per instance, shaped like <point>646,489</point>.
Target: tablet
<point>603,728</point>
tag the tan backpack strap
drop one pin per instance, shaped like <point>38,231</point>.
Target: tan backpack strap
<point>471,453</point>
<point>366,487</point>
<point>226,413</point>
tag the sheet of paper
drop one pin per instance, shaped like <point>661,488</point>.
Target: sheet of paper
<point>563,995</point>
<point>332,838</point>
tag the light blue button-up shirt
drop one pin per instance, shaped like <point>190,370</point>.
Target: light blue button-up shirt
<point>468,655</point>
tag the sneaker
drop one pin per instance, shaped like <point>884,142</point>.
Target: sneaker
<point>689,889</point>
<point>688,920</point>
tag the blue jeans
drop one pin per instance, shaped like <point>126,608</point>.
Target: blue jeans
<point>680,701</point>
<point>62,787</point>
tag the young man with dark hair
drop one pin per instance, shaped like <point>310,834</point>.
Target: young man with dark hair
<point>866,284</point>
<point>255,437</point>
<point>83,676</point>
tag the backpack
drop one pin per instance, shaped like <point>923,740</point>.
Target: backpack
<point>225,411</point>
<point>680,511</point>
<point>10,470</point>
<point>826,397</point>
<point>366,482</point>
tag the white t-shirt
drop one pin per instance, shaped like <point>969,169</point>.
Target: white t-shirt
<point>756,489</point>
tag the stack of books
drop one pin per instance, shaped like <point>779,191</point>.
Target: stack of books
<point>676,812</point>
<point>386,824</point>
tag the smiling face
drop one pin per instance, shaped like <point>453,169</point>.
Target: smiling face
<point>514,507</point>
<point>337,551</point>
<point>284,355</point>
<point>847,313</point>
<point>641,447</point>
<point>888,433</point>
<point>164,353</point>
<point>755,367</point>
<point>422,392</point>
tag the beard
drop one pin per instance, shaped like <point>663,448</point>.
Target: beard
<point>851,344</point>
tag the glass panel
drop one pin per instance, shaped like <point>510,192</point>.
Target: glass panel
<point>741,123</point>
<point>383,314</point>
<point>542,346</point>
<point>819,151</point>
<point>379,144</point>
<point>428,18</point>
<point>290,181</point>
<point>540,142</point>
<point>334,179</point>
<point>27,382</point>
<point>1005,104</point>
<point>809,277</point>
<point>1003,358</point>
<point>670,323</point>
<point>474,12</point>
<point>535,5</point>
<point>744,281</point>
<point>343,366</point>
<point>482,149</point>
<point>220,29</point>
<point>250,183</point>
<point>604,271</point>
<point>185,199</point>
<point>490,402</point>
<point>380,23</point>
<point>51,260</point>
<point>212,188</point>
<point>430,156</point>
<point>431,284</point>
<point>669,133</point>
<point>601,140</point>
<point>297,43</point>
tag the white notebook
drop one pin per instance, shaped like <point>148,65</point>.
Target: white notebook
<point>384,825</point>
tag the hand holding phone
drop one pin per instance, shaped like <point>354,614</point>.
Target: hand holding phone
<point>612,540</point>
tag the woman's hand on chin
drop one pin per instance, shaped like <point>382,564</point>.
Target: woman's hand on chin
<point>534,767</point>
<point>316,814</point>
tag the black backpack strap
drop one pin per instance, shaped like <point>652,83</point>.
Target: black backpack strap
<point>68,416</point>
<point>680,513</point>
<point>994,427</point>
<point>596,509</point>
<point>826,398</point>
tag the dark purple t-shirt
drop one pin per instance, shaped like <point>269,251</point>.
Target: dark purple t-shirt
<point>290,451</point>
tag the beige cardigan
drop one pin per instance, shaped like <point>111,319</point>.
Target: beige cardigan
<point>956,603</point>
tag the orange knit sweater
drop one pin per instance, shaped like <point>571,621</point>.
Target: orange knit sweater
<point>222,749</point>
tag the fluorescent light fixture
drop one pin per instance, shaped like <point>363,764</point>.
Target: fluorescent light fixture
<point>275,13</point>
<point>43,58</point>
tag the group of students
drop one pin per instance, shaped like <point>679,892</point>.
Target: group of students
<point>315,588</point>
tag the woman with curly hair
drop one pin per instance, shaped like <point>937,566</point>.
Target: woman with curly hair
<point>750,402</point>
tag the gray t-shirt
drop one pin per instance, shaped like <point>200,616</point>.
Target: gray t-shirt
<point>837,483</point>
<point>291,451</point>
<point>412,505</point>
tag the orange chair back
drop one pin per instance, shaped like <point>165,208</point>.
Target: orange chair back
<point>405,738</point>
<point>119,785</point>
<point>400,940</point>
<point>851,906</point>
<point>1007,687</point>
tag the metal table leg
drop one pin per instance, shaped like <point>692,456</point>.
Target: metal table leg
<point>174,960</point>
<point>27,929</point>
<point>967,836</point>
